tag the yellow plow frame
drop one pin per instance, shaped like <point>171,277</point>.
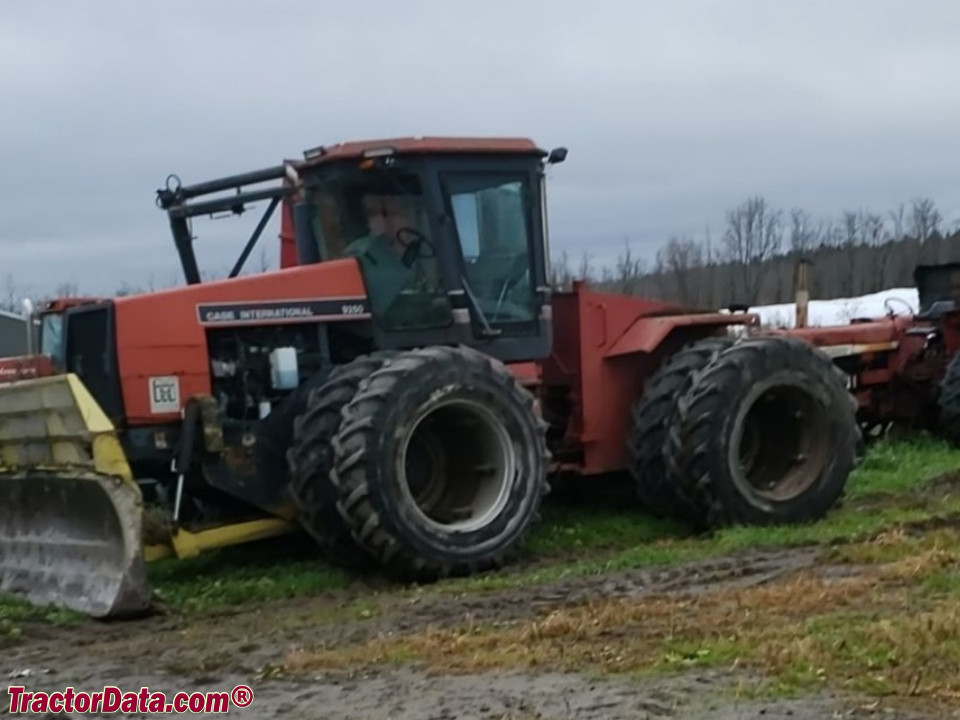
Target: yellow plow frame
<point>71,513</point>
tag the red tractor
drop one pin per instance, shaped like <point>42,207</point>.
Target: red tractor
<point>44,336</point>
<point>402,389</point>
<point>902,368</point>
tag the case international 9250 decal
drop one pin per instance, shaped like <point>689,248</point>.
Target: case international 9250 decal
<point>283,311</point>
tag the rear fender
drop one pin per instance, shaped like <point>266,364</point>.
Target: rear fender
<point>649,334</point>
<point>613,374</point>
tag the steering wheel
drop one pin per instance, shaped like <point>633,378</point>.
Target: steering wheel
<point>888,306</point>
<point>416,244</point>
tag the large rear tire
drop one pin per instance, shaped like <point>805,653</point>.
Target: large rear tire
<point>767,434</point>
<point>652,418</point>
<point>310,460</point>
<point>459,425</point>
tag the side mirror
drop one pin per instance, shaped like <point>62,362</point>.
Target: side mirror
<point>557,156</point>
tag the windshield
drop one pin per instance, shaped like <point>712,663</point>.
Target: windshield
<point>51,336</point>
<point>379,217</point>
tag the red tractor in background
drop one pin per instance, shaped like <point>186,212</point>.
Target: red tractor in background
<point>44,336</point>
<point>402,389</point>
<point>902,369</point>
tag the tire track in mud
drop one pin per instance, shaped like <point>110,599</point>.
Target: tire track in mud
<point>519,603</point>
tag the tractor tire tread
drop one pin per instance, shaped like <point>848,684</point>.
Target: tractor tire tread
<point>651,419</point>
<point>310,458</point>
<point>355,448</point>
<point>712,394</point>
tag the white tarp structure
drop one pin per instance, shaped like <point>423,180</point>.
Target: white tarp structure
<point>841,311</point>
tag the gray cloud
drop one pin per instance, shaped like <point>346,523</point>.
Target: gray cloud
<point>673,112</point>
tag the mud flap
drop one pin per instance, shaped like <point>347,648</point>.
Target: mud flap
<point>71,514</point>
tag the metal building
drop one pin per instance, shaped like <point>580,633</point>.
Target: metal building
<point>13,334</point>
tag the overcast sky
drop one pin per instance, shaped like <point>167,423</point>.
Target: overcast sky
<point>673,111</point>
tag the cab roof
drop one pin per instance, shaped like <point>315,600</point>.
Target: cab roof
<point>422,145</point>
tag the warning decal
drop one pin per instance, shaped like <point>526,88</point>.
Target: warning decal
<point>164,395</point>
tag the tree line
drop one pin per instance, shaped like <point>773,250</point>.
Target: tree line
<point>753,261</point>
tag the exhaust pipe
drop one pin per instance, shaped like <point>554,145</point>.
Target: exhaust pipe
<point>802,293</point>
<point>28,316</point>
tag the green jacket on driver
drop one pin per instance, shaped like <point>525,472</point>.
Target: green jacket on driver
<point>383,272</point>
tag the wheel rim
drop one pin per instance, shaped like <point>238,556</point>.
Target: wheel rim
<point>456,464</point>
<point>782,441</point>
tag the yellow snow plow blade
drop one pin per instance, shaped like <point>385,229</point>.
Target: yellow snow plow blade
<point>70,511</point>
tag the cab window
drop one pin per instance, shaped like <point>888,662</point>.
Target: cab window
<point>491,214</point>
<point>380,219</point>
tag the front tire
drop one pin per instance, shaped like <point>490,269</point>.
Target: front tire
<point>768,434</point>
<point>456,423</point>
<point>310,461</point>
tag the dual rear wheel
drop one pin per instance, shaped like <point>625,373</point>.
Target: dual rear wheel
<point>756,431</point>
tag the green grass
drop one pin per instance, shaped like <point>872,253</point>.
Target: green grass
<point>892,468</point>
<point>280,568</point>
<point>596,528</point>
<point>14,612</point>
<point>943,584</point>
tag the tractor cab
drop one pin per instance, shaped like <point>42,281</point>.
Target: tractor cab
<point>46,340</point>
<point>449,234</point>
<point>48,322</point>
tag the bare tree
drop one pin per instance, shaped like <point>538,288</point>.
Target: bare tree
<point>13,295</point>
<point>925,219</point>
<point>585,272</point>
<point>66,290</point>
<point>872,231</point>
<point>803,232</point>
<point>562,273</point>
<point>898,221</point>
<point>629,269</point>
<point>126,289</point>
<point>851,228</point>
<point>679,258</point>
<point>10,298</point>
<point>754,235</point>
<point>831,234</point>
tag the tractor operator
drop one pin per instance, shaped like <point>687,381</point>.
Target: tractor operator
<point>381,250</point>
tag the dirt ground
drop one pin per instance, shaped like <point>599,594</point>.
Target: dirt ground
<point>254,646</point>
